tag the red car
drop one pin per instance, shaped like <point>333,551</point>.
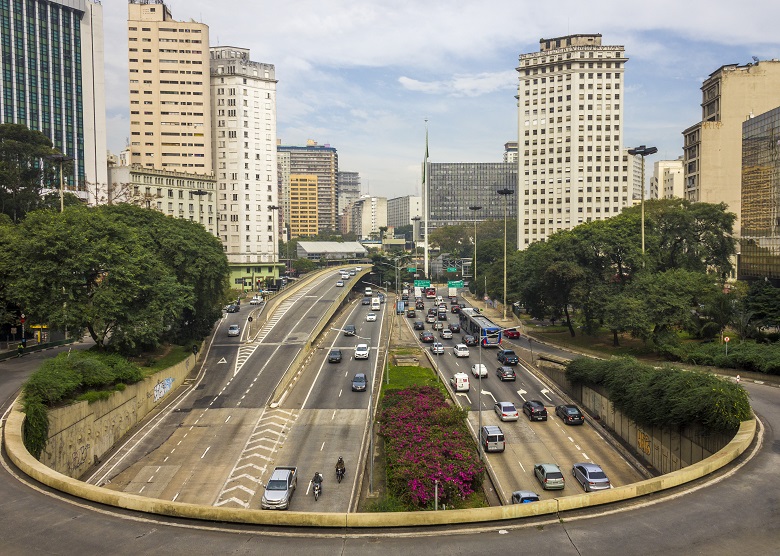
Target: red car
<point>426,336</point>
<point>511,333</point>
<point>455,309</point>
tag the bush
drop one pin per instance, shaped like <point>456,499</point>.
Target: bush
<point>746,356</point>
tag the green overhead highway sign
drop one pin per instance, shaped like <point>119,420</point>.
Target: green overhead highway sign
<point>455,284</point>
<point>422,283</point>
<point>452,269</point>
<point>411,269</point>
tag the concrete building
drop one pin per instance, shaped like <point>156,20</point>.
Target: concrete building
<point>510,152</point>
<point>368,214</point>
<point>53,82</point>
<point>331,250</point>
<point>572,165</point>
<point>402,210</point>
<point>759,244</point>
<point>243,112</point>
<point>713,147</point>
<point>175,194</point>
<point>635,176</point>
<point>321,161</point>
<point>348,188</point>
<point>303,205</point>
<point>170,123</point>
<point>667,180</point>
<point>456,186</point>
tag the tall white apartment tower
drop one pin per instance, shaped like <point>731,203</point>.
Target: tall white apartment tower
<point>571,165</point>
<point>243,111</point>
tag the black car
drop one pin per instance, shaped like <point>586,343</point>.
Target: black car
<point>507,357</point>
<point>506,373</point>
<point>426,336</point>
<point>334,356</point>
<point>419,305</point>
<point>419,325</point>
<point>359,383</point>
<point>232,309</point>
<point>570,414</point>
<point>455,327</point>
<point>366,301</point>
<point>411,313</point>
<point>350,330</point>
<point>432,311</point>
<point>535,410</point>
<point>469,340</point>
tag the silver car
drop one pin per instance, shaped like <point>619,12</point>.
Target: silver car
<point>550,476</point>
<point>437,348</point>
<point>506,411</point>
<point>590,476</point>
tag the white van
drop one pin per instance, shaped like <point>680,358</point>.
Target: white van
<point>368,292</point>
<point>439,300</point>
<point>460,382</point>
<point>375,304</point>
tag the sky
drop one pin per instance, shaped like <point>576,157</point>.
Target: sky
<point>369,78</point>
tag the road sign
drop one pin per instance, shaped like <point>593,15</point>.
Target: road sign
<point>422,283</point>
<point>455,284</point>
<point>452,269</point>
<point>411,269</point>
<point>727,339</point>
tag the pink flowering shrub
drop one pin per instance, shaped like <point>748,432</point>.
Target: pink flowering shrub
<point>426,439</point>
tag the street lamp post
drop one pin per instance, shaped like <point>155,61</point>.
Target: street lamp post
<point>643,151</point>
<point>61,158</point>
<point>505,192</point>
<point>474,209</point>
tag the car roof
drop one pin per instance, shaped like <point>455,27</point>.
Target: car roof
<point>548,466</point>
<point>534,402</point>
<point>524,494</point>
<point>461,346</point>
<point>360,375</point>
<point>362,346</point>
<point>589,466</point>
<point>503,404</point>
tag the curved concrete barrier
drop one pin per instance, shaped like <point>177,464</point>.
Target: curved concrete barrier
<point>33,468</point>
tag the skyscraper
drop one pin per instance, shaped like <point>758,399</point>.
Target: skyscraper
<point>53,82</point>
<point>572,168</point>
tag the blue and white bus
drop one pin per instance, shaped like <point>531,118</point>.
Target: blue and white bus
<point>481,327</point>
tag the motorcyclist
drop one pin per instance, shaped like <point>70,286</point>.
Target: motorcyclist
<point>340,467</point>
<point>317,480</point>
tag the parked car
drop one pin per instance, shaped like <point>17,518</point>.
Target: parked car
<point>419,325</point>
<point>437,348</point>
<point>334,356</point>
<point>426,336</point>
<point>506,373</point>
<point>234,330</point>
<point>511,333</point>
<point>455,308</point>
<point>524,497</point>
<point>455,327</point>
<point>340,284</point>
<point>535,410</point>
<point>570,414</point>
<point>461,350</point>
<point>370,317</point>
<point>506,411</point>
<point>361,351</point>
<point>446,334</point>
<point>438,325</point>
<point>550,476</point>
<point>411,314</point>
<point>507,357</point>
<point>359,382</point>
<point>590,476</point>
<point>469,340</point>
<point>479,369</point>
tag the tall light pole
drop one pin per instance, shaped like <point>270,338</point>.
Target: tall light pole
<point>200,193</point>
<point>274,256</point>
<point>61,158</point>
<point>643,151</point>
<point>474,209</point>
<point>505,192</point>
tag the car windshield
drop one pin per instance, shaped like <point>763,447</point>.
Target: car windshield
<point>572,411</point>
<point>277,485</point>
<point>554,475</point>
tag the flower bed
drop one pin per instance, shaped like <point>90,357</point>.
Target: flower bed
<point>427,440</point>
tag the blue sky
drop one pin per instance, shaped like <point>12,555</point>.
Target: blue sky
<point>364,76</point>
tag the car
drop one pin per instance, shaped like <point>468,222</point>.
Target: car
<point>334,356</point>
<point>344,276</point>
<point>511,333</point>
<point>352,273</point>
<point>365,301</point>
<point>479,369</point>
<point>437,348</point>
<point>370,317</point>
<point>381,297</point>
<point>359,382</point>
<point>350,330</point>
<point>411,314</point>
<point>446,334</point>
<point>590,476</point>
<point>524,497</point>
<point>469,340</point>
<point>455,308</point>
<point>233,309</point>
<point>550,476</point>
<point>507,357</point>
<point>438,325</point>
<point>506,411</point>
<point>570,414</point>
<point>359,268</point>
<point>430,319</point>
<point>506,373</point>
<point>432,311</point>
<point>234,330</point>
<point>340,284</point>
<point>418,325</point>
<point>535,410</point>
<point>419,305</point>
<point>442,306</point>
<point>461,350</point>
<point>455,327</point>
<point>426,336</point>
<point>361,351</point>
<point>256,300</point>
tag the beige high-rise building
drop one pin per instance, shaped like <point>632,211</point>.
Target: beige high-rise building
<point>303,205</point>
<point>170,123</point>
<point>713,147</point>
<point>572,167</point>
<point>667,181</point>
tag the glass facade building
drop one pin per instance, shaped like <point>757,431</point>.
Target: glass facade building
<point>51,82</point>
<point>759,245</point>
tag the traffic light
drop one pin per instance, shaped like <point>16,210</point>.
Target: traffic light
<point>195,349</point>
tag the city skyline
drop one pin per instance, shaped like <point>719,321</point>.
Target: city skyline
<point>365,78</point>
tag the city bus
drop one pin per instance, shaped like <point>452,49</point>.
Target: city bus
<point>472,322</point>
<point>430,293</point>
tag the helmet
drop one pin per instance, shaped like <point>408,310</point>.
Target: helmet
<point>341,459</point>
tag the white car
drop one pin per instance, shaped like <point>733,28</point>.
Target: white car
<point>339,284</point>
<point>256,300</point>
<point>361,351</point>
<point>371,317</point>
<point>437,348</point>
<point>234,330</point>
<point>461,350</point>
<point>359,268</point>
<point>479,369</point>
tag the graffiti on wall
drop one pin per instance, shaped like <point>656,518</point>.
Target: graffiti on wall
<point>78,458</point>
<point>643,442</point>
<point>162,388</point>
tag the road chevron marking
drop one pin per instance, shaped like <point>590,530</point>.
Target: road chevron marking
<point>233,500</point>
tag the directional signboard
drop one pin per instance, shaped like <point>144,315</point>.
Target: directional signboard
<point>455,284</point>
<point>452,269</point>
<point>422,283</point>
<point>411,269</point>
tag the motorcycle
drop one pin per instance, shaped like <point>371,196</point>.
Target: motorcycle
<point>340,474</point>
<point>317,490</point>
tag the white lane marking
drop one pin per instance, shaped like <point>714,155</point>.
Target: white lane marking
<point>521,466</point>
<point>228,418</point>
<point>322,447</point>
<point>520,393</point>
<point>333,416</point>
<point>585,455</point>
<point>206,452</point>
<point>340,391</point>
<point>544,393</point>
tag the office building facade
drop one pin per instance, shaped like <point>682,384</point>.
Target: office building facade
<point>401,211</point>
<point>348,188</point>
<point>667,180</point>
<point>303,196</point>
<point>367,216</point>
<point>53,82</point>
<point>572,165</point>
